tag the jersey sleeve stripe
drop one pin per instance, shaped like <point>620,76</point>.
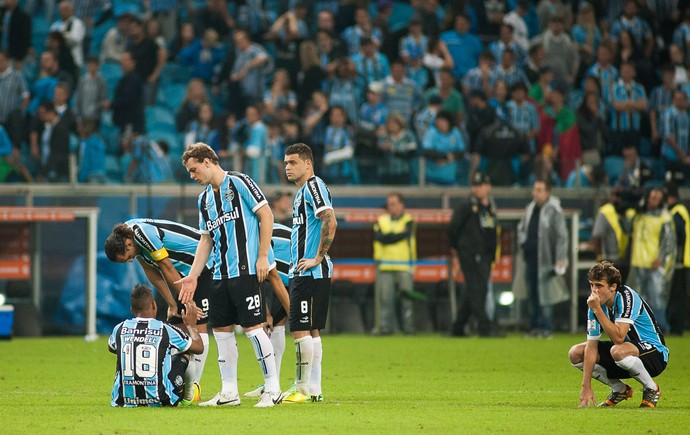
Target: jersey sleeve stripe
<point>142,239</point>
<point>259,205</point>
<point>317,194</point>
<point>320,209</point>
<point>253,189</point>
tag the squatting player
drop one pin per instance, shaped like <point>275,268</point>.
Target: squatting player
<point>276,307</point>
<point>236,224</point>
<point>148,374</point>
<point>636,350</point>
<point>165,250</point>
<point>313,230</point>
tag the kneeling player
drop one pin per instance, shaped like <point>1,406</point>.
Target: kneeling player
<point>147,372</point>
<point>165,250</point>
<point>636,350</point>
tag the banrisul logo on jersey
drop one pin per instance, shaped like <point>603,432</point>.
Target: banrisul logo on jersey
<point>225,217</point>
<point>142,240</point>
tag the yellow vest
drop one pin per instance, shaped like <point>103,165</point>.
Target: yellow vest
<point>683,212</point>
<point>399,256</point>
<point>611,215</point>
<point>646,233</point>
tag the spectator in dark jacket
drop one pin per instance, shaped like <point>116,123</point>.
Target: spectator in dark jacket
<point>128,100</point>
<point>17,32</point>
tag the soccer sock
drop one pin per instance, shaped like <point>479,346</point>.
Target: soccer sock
<point>200,359</point>
<point>599,373</point>
<point>278,342</point>
<point>637,370</point>
<point>227,360</point>
<point>263,349</point>
<point>305,354</point>
<point>189,375</point>
<point>315,379</point>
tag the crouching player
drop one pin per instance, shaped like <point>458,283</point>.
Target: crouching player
<point>636,350</point>
<point>148,374</point>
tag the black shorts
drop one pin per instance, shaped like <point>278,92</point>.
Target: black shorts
<point>236,301</point>
<point>309,299</point>
<point>178,365</point>
<point>203,288</point>
<point>271,300</point>
<point>653,361</point>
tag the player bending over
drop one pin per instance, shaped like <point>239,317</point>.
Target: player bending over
<point>148,373</point>
<point>165,250</point>
<point>636,350</point>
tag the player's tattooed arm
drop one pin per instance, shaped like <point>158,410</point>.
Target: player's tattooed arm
<point>329,224</point>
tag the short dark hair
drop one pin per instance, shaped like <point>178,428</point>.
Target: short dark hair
<point>518,86</point>
<point>605,271</point>
<point>48,106</point>
<point>398,195</point>
<point>546,181</point>
<point>140,298</point>
<point>302,150</point>
<point>200,151</point>
<point>115,243</point>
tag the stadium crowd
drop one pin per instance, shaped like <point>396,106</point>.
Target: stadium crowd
<point>583,92</point>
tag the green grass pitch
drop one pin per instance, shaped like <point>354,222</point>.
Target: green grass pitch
<point>421,384</point>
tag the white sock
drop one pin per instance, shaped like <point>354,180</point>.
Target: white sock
<point>189,376</point>
<point>315,378</point>
<point>200,359</point>
<point>278,342</point>
<point>228,354</point>
<point>305,354</point>
<point>637,370</point>
<point>263,349</point>
<point>599,373</point>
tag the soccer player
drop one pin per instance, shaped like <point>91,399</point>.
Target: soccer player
<point>165,250</point>
<point>277,302</point>
<point>148,374</point>
<point>236,224</point>
<point>313,230</point>
<point>636,350</point>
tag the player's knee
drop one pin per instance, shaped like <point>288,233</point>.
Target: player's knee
<point>619,352</point>
<point>576,354</point>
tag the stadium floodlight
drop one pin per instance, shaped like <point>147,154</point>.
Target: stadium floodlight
<point>506,298</point>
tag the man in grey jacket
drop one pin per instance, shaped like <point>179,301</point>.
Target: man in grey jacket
<point>543,236</point>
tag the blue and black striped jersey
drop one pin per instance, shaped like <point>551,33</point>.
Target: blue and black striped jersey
<point>159,239</point>
<point>281,249</point>
<point>629,307</point>
<point>228,215</point>
<point>143,354</point>
<point>311,199</point>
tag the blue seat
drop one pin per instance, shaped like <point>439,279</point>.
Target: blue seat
<point>613,166</point>
<point>174,95</point>
<point>170,138</point>
<point>175,73</point>
<point>158,114</point>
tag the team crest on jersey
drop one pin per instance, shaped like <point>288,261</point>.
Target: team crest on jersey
<point>229,195</point>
